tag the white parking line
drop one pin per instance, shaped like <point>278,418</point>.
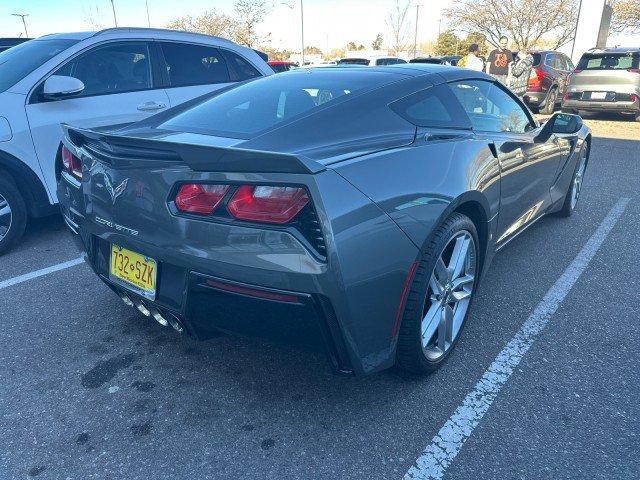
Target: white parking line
<point>39,273</point>
<point>444,447</point>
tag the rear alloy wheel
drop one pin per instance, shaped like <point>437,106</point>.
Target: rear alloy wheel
<point>550,103</point>
<point>13,214</point>
<point>573,194</point>
<point>440,297</point>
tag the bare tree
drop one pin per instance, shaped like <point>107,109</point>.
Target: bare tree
<point>210,22</point>
<point>397,24</point>
<point>250,14</point>
<point>525,22</point>
<point>242,27</point>
<point>626,16</point>
<point>91,16</point>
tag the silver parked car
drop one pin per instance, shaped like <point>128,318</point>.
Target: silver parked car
<point>605,81</point>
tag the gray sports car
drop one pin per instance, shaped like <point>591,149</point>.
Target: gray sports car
<point>352,210</point>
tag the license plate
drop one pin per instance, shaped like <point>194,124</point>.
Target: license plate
<point>137,271</point>
<point>598,95</point>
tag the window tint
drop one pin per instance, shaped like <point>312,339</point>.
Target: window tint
<point>569,63</point>
<point>490,108</point>
<point>550,60</point>
<point>189,64</point>
<point>19,61</point>
<point>113,68</point>
<point>433,107</point>
<point>256,106</point>
<point>240,69</point>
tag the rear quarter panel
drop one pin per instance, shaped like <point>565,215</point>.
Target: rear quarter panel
<point>419,185</point>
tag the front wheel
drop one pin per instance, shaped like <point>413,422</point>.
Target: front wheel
<point>13,214</point>
<point>440,297</point>
<point>573,194</point>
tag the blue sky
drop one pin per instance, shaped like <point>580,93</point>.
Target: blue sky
<point>328,23</point>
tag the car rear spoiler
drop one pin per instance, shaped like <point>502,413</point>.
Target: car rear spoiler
<point>110,147</point>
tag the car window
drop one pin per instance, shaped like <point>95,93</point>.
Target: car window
<point>112,68</point>
<point>256,106</point>
<point>241,70</point>
<point>433,107</point>
<point>19,61</point>
<point>189,64</point>
<point>550,60</point>
<point>609,61</point>
<point>569,63</point>
<point>490,108</point>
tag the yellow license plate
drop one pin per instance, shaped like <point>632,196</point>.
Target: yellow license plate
<point>134,269</point>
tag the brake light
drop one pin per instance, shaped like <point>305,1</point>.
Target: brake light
<point>200,198</point>
<point>72,164</point>
<point>633,97</point>
<point>267,204</point>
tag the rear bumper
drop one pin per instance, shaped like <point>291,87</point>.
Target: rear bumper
<point>344,306</point>
<point>595,106</point>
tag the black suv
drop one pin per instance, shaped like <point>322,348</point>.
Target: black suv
<point>548,80</point>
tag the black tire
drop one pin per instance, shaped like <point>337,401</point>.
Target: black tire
<point>11,194</point>
<point>409,353</point>
<point>567,207</point>
<point>550,102</point>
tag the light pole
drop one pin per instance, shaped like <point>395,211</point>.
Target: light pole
<point>113,7</point>
<point>24,23</point>
<point>301,23</point>
<point>146,2</point>
<point>415,38</point>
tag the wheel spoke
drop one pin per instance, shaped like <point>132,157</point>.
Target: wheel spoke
<point>5,209</point>
<point>430,323</point>
<point>459,256</point>
<point>460,295</point>
<point>445,327</point>
<point>460,282</point>
<point>436,287</point>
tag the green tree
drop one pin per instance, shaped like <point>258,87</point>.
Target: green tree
<point>475,37</point>
<point>377,43</point>
<point>448,44</point>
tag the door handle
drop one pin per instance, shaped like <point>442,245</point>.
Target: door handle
<point>151,106</point>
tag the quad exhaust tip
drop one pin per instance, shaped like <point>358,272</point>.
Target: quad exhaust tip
<point>172,320</point>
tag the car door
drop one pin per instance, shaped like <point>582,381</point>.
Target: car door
<point>119,87</point>
<point>565,67</point>
<point>527,167</point>
<point>193,70</point>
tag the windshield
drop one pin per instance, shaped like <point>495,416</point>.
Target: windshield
<point>19,61</point>
<point>256,106</point>
<point>353,61</point>
<point>608,61</point>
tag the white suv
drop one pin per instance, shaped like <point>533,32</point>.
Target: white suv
<point>114,76</point>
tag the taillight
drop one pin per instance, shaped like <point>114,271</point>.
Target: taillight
<point>200,198</point>
<point>565,97</point>
<point>633,97</point>
<point>267,204</point>
<point>535,79</point>
<point>71,164</point>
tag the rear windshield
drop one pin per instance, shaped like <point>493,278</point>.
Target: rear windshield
<point>536,59</point>
<point>19,61</point>
<point>256,106</point>
<point>353,61</point>
<point>608,61</point>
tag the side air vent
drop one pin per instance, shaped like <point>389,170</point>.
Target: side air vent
<point>307,223</point>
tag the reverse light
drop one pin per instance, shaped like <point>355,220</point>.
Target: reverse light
<point>267,204</point>
<point>200,198</point>
<point>71,163</point>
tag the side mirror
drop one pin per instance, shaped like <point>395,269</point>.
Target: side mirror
<point>560,123</point>
<point>57,86</point>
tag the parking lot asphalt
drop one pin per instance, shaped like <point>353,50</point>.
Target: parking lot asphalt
<point>92,390</point>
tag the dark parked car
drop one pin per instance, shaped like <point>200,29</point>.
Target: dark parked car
<point>548,80</point>
<point>6,43</point>
<point>444,60</point>
<point>349,209</point>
